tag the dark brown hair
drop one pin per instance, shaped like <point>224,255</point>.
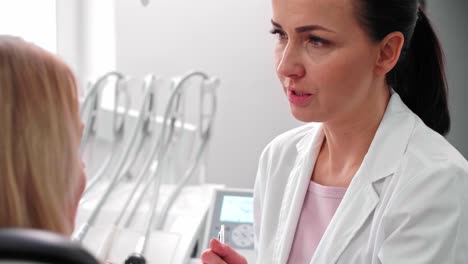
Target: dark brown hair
<point>419,76</point>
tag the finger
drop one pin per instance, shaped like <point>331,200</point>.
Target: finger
<point>227,253</point>
<point>209,257</point>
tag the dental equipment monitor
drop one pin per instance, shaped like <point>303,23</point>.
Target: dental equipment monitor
<point>233,209</point>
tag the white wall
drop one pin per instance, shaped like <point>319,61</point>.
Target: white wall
<point>86,37</point>
<point>229,39</point>
<point>69,36</point>
<point>33,21</point>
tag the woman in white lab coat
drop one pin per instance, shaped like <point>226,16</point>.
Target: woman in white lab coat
<point>371,178</point>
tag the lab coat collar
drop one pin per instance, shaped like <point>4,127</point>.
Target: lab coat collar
<point>390,141</point>
<point>381,160</point>
<point>308,148</point>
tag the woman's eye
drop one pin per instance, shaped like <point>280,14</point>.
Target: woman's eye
<point>280,34</point>
<point>318,42</point>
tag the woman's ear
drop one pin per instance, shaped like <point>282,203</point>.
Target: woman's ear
<point>389,52</point>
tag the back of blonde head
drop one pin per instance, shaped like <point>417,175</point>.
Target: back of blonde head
<point>38,137</point>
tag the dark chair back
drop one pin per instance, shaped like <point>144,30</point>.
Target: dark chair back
<point>36,246</point>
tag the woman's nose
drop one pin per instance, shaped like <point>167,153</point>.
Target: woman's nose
<point>289,63</point>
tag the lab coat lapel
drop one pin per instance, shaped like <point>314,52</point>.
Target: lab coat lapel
<point>359,202</point>
<point>295,191</point>
<point>382,159</point>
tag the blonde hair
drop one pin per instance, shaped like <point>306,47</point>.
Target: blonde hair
<point>38,137</point>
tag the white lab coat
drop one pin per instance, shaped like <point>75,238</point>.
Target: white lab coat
<point>407,203</point>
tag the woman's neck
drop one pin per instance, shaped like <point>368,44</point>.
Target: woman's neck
<point>347,141</point>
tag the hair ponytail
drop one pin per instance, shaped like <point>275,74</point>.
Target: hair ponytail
<point>419,77</point>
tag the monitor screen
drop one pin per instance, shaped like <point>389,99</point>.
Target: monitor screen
<point>237,209</point>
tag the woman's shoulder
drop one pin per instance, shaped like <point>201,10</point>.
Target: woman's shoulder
<point>431,177</point>
<point>425,146</point>
<point>430,149</point>
<point>430,158</point>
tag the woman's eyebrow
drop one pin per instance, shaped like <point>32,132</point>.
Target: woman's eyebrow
<point>275,24</point>
<point>303,29</point>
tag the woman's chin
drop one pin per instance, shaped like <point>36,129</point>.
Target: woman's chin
<point>305,116</point>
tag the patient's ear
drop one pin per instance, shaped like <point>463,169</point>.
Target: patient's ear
<point>389,52</point>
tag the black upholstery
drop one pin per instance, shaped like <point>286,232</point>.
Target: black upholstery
<point>33,245</point>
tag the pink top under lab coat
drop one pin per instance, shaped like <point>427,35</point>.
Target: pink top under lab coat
<point>319,206</point>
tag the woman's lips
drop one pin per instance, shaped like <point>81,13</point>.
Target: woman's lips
<point>299,98</point>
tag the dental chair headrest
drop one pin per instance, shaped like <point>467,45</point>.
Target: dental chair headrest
<point>36,246</point>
